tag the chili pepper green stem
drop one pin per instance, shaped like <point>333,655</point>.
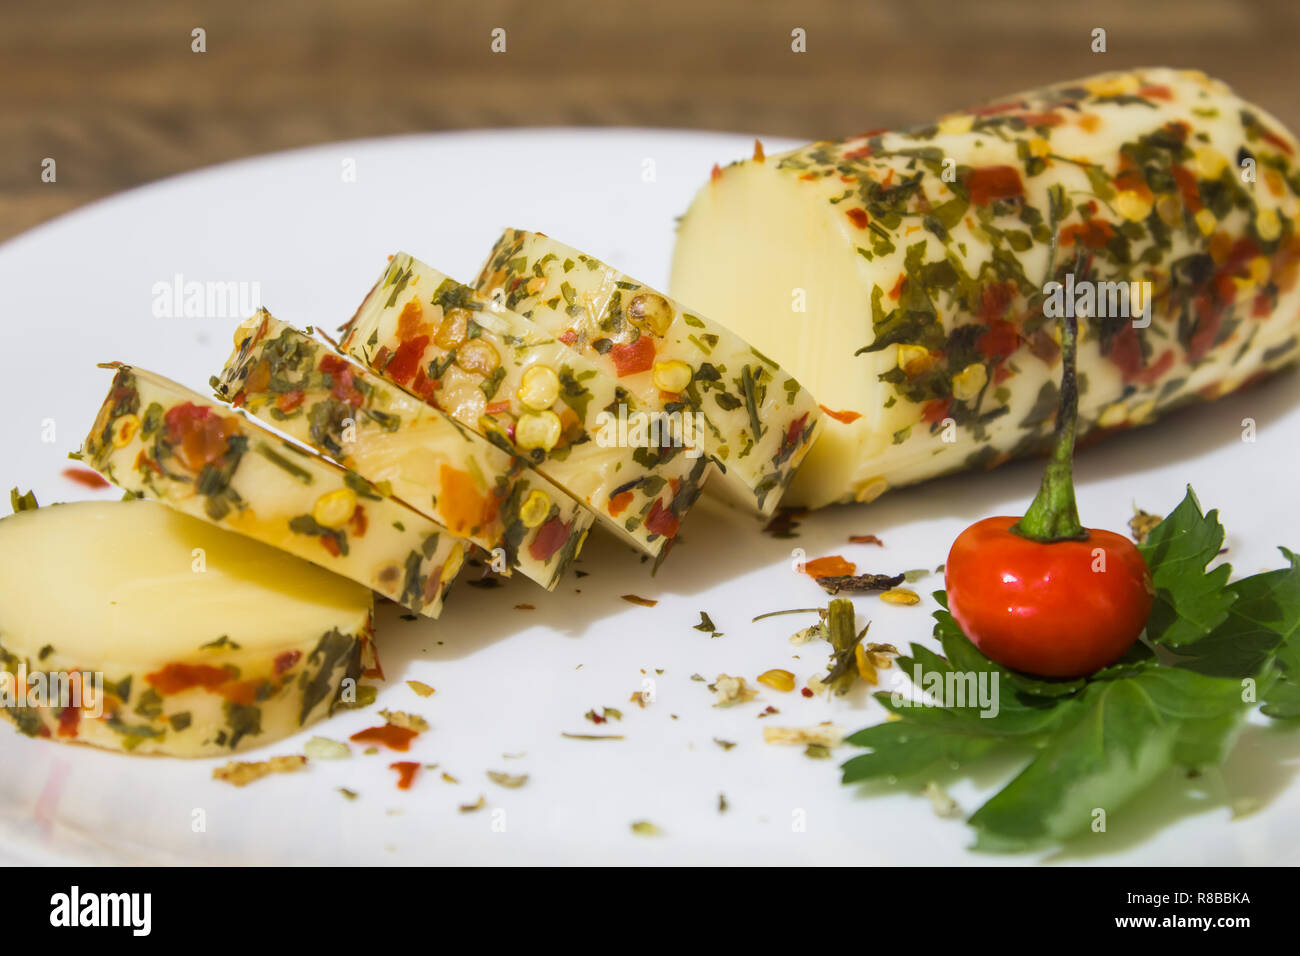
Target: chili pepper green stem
<point>1053,515</point>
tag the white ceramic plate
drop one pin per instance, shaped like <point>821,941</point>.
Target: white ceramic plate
<point>81,290</point>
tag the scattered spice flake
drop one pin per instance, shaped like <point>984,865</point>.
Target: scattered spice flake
<point>606,714</point>
<point>724,744</point>
<point>241,773</point>
<point>421,688</point>
<point>591,736</point>
<point>866,667</point>
<point>510,781</point>
<point>859,582</point>
<point>519,756</point>
<point>817,751</point>
<point>831,566</point>
<point>942,804</point>
<point>700,678</point>
<point>732,690</point>
<point>784,522</point>
<point>348,794</point>
<point>524,607</point>
<point>85,477</point>
<point>406,721</point>
<point>865,539</point>
<point>777,679</point>
<point>449,778</point>
<point>322,748</point>
<point>366,694</point>
<point>640,698</point>
<point>902,596</point>
<point>916,574</point>
<point>707,626</point>
<point>390,735</point>
<point>646,828</point>
<point>478,804</point>
<point>406,771</point>
<point>768,711</point>
<point>722,803</point>
<point>637,599</point>
<point>1141,523</point>
<point>843,417</point>
<point>823,735</point>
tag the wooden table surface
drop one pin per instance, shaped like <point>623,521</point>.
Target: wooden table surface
<point>117,97</point>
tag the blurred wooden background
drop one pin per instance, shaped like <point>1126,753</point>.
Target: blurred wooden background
<point>115,95</point>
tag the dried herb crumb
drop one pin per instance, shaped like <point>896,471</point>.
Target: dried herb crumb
<point>638,600</point>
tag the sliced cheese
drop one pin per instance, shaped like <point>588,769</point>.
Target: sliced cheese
<point>753,418</point>
<point>924,258</point>
<point>161,440</point>
<point>131,626</point>
<point>521,388</point>
<point>476,490</point>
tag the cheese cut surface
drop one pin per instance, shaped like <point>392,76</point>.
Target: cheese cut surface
<point>159,439</point>
<point>204,642</point>
<point>304,388</point>
<point>518,386</point>
<point>925,258</point>
<point>756,421</point>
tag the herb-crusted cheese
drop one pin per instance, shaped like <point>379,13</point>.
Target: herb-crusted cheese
<point>161,440</point>
<point>924,260</point>
<point>433,463</point>
<point>134,627</point>
<point>757,422</point>
<point>521,388</point>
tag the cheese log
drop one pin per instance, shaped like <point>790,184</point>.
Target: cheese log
<point>515,384</point>
<point>307,390</point>
<point>927,257</point>
<point>130,626</point>
<point>160,440</point>
<point>757,422</point>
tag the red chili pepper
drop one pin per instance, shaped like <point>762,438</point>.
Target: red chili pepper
<point>639,356</point>
<point>1043,594</point>
<point>549,539</point>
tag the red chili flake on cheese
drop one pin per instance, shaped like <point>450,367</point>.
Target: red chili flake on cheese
<point>549,539</point>
<point>1093,233</point>
<point>496,408</point>
<point>1187,188</point>
<point>568,336</point>
<point>287,402</point>
<point>1272,138</point>
<point>84,476</point>
<point>69,721</point>
<point>994,109</point>
<point>715,173</point>
<point>858,217</point>
<point>174,678</point>
<point>331,544</point>
<point>999,340</point>
<point>990,183</point>
<point>618,502</point>
<point>865,539</point>
<point>243,693</point>
<point>936,410</point>
<point>410,320</point>
<point>638,356</point>
<point>662,521</point>
<point>1126,353</point>
<point>402,366</point>
<point>896,292</point>
<point>847,418</point>
<point>995,298</point>
<point>832,566</point>
<point>406,770</point>
<point>285,661</point>
<point>358,523</point>
<point>199,434</point>
<point>1156,91</point>
<point>424,387</point>
<point>389,735</point>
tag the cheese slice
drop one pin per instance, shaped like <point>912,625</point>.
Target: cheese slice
<point>925,259</point>
<point>304,388</point>
<point>518,386</point>
<point>161,440</point>
<point>130,626</point>
<point>756,421</point>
